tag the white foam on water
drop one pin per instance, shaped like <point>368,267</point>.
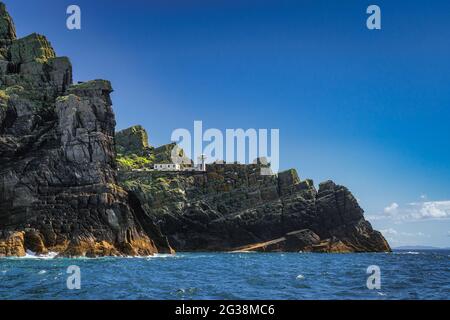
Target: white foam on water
<point>300,277</point>
<point>162,255</point>
<point>32,255</point>
<point>241,251</point>
<point>42,272</point>
<point>52,255</point>
<point>408,252</point>
<point>156,255</point>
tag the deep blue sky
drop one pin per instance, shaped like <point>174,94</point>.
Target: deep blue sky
<point>368,109</point>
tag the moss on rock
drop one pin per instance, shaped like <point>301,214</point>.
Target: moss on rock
<point>133,161</point>
<point>34,47</point>
<point>132,140</point>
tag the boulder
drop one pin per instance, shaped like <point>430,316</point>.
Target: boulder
<point>34,242</point>
<point>12,244</point>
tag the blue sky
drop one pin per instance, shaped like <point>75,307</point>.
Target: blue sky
<point>368,109</point>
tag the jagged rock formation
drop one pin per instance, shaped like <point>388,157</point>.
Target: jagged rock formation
<point>133,139</point>
<point>58,188</point>
<point>135,153</point>
<point>234,207</point>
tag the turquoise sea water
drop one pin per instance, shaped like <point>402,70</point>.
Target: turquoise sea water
<point>404,275</point>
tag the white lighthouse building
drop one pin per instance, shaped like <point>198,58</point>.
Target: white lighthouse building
<point>201,165</point>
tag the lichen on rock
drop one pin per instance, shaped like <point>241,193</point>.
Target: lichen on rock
<point>32,48</point>
<point>233,207</point>
<point>12,244</point>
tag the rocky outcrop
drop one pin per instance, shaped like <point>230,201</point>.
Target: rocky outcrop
<point>135,153</point>
<point>234,207</point>
<point>12,244</point>
<point>132,140</point>
<point>7,31</point>
<point>58,188</point>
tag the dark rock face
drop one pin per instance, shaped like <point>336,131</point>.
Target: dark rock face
<point>233,207</point>
<point>7,30</point>
<point>58,189</point>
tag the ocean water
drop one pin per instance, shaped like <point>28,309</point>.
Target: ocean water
<point>404,275</point>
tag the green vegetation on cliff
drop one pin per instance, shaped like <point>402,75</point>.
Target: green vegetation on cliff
<point>133,140</point>
<point>133,161</point>
<point>134,152</point>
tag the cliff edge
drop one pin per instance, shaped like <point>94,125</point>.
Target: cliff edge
<point>58,187</point>
<point>232,207</point>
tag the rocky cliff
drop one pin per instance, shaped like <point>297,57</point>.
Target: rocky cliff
<point>58,188</point>
<point>234,207</point>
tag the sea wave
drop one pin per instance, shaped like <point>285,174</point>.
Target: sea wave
<point>164,255</point>
<point>53,255</point>
<point>154,256</point>
<point>32,255</point>
<point>407,252</point>
<point>221,276</point>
